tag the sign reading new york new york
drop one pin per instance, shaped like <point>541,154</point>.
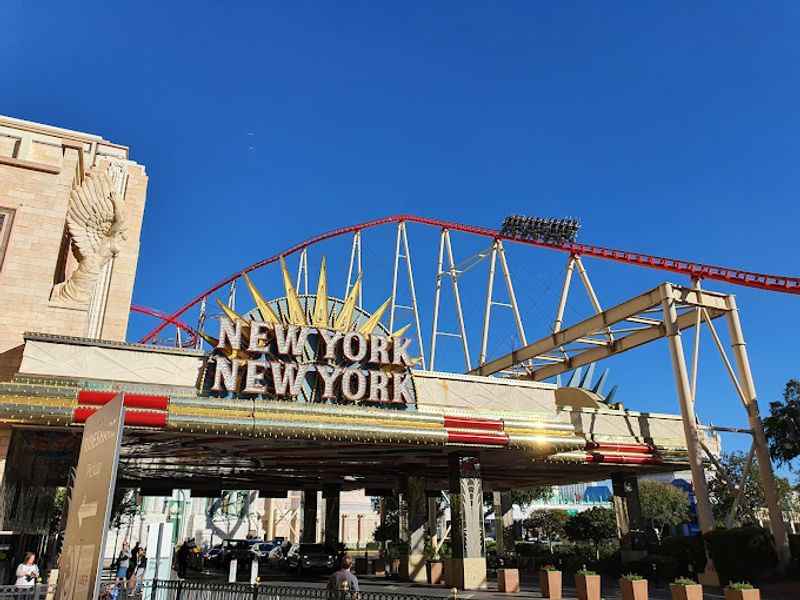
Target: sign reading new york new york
<point>257,358</point>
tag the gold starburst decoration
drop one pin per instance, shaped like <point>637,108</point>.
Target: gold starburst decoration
<point>322,316</point>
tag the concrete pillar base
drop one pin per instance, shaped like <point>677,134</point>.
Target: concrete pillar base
<point>412,568</point>
<point>466,573</point>
<point>709,577</point>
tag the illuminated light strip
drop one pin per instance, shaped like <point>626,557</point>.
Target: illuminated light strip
<point>467,423</point>
<point>627,448</point>
<point>470,438</point>
<point>623,460</point>
<point>134,418</point>
<point>146,401</point>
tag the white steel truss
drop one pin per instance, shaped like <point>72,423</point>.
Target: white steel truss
<point>355,267</point>
<point>402,251</point>
<point>663,312</point>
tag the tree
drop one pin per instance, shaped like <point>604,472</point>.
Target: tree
<point>723,487</point>
<point>782,426</point>
<point>663,505</point>
<point>549,524</point>
<point>524,496</point>
<point>595,525</point>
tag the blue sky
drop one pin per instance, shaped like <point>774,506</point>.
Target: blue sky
<point>668,128</point>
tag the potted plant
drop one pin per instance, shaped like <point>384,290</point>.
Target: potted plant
<point>587,584</point>
<point>633,586</point>
<point>507,574</point>
<point>686,589</point>
<point>434,565</point>
<point>550,582</point>
<point>741,591</point>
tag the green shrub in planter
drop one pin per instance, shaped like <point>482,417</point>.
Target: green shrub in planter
<point>741,585</point>
<point>689,552</point>
<point>742,552</point>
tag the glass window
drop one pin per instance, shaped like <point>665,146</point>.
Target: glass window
<point>6,220</point>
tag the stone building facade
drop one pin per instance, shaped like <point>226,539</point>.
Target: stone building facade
<point>39,168</point>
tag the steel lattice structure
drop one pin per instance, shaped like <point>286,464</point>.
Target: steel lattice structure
<point>448,269</point>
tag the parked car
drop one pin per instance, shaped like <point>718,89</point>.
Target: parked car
<point>311,557</point>
<point>262,549</point>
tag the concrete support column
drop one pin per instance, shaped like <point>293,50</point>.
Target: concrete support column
<point>766,475</point>
<point>269,519</point>
<point>503,521</point>
<point>412,563</point>
<point>331,493</point>
<point>309,534</point>
<point>433,518</point>
<point>628,510</point>
<point>468,565</point>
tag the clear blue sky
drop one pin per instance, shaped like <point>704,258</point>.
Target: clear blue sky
<point>669,128</point>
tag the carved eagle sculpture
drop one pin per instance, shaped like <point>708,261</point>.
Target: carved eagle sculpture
<point>96,224</point>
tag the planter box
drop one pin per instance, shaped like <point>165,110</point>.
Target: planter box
<point>379,566</point>
<point>587,587</point>
<point>686,592</point>
<point>435,572</point>
<point>753,594</point>
<point>362,565</point>
<point>550,584</point>
<point>507,580</point>
<point>633,590</point>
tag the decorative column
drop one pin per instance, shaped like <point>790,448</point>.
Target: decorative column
<point>468,565</point>
<point>503,521</point>
<point>628,510</point>
<point>331,493</point>
<point>412,562</point>
<point>309,535</point>
<point>268,522</point>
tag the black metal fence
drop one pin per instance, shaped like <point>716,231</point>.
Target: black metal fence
<point>200,590</point>
<point>35,592</point>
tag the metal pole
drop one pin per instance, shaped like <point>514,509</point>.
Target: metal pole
<point>705,516</point>
<point>512,297</point>
<point>201,321</point>
<point>590,290</point>
<point>459,312</point>
<point>232,295</point>
<point>562,303</point>
<point>436,297</point>
<point>487,311</point>
<point>413,291</point>
<point>302,272</point>
<point>360,271</point>
<point>738,497</point>
<point>356,235</point>
<point>394,276</point>
<point>759,439</point>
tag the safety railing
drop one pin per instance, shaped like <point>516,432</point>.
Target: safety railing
<point>35,592</point>
<point>202,590</point>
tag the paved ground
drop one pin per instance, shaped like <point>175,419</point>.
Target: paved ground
<point>785,591</point>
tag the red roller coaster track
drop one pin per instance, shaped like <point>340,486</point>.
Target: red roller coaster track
<point>763,281</point>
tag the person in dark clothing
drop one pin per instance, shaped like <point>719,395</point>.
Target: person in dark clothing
<point>183,559</point>
<point>344,575</point>
<point>132,562</point>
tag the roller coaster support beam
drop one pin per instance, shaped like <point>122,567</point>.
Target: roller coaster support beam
<point>452,272</point>
<point>496,251</point>
<point>705,516</point>
<point>759,439</point>
<point>403,251</point>
<point>356,264</point>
